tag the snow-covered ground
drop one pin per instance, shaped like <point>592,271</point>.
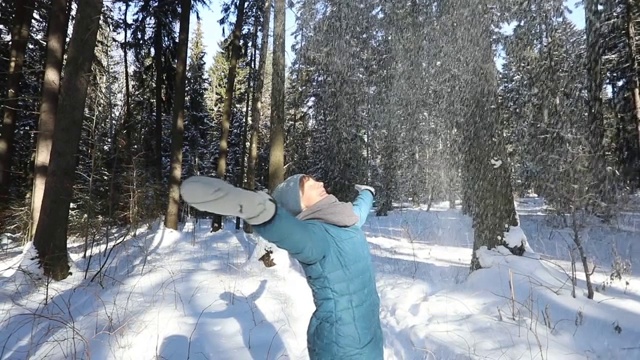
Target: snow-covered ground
<point>191,294</point>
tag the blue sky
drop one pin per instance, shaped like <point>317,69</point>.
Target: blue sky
<point>213,31</point>
<point>578,15</point>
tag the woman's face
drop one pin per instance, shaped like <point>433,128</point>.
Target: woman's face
<point>311,191</point>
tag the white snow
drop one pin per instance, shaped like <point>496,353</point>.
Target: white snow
<point>192,294</point>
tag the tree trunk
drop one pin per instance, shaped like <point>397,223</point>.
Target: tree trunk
<point>256,103</point>
<point>56,40</point>
<point>123,138</point>
<point>236,50</point>
<point>245,131</point>
<point>157,129</point>
<point>276,153</point>
<point>51,234</point>
<point>595,118</point>
<point>245,126</point>
<point>388,175</point>
<point>19,38</point>
<point>583,254</point>
<point>177,130</point>
<point>126,123</point>
<point>635,83</point>
<point>449,175</point>
<point>485,152</point>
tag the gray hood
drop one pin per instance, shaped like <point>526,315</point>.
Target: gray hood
<point>332,211</point>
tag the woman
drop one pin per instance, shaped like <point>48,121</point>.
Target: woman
<point>325,236</point>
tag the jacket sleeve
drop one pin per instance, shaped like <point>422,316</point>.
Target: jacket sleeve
<point>306,241</point>
<point>362,205</point>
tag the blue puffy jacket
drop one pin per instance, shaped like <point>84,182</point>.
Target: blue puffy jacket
<point>337,264</point>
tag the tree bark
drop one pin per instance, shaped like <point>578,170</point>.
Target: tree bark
<point>583,254</point>
<point>634,74</point>
<point>56,40</point>
<point>595,119</point>
<point>123,138</point>
<point>157,130</point>
<point>51,233</point>
<point>236,49</point>
<point>177,130</point>
<point>126,123</point>
<point>493,209</point>
<point>245,126</point>
<point>256,103</point>
<point>19,38</point>
<point>276,144</point>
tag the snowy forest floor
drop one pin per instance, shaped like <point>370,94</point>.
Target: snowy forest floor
<point>191,294</point>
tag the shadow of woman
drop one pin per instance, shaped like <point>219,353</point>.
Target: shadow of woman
<point>260,337</point>
<point>174,347</point>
